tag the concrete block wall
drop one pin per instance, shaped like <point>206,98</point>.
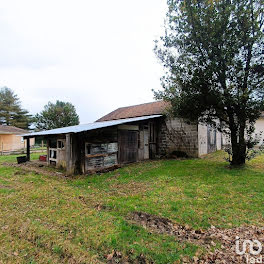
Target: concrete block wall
<point>178,135</point>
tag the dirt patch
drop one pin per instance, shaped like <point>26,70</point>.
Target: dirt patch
<point>20,172</point>
<point>117,257</point>
<point>36,167</point>
<point>219,243</point>
<point>100,207</point>
<point>104,170</point>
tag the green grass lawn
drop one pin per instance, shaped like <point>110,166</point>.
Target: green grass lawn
<point>47,219</point>
<point>12,158</point>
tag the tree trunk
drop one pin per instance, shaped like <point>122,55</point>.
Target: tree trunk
<point>238,143</point>
<point>239,155</point>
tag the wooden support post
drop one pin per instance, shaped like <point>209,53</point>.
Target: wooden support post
<point>81,152</point>
<point>48,154</point>
<point>2,146</point>
<point>69,167</point>
<point>28,149</point>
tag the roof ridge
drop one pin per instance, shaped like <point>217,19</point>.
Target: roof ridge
<point>144,109</point>
<point>141,104</point>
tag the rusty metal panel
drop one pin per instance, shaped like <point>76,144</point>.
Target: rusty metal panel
<point>100,156</point>
<point>94,163</point>
<point>110,160</point>
<point>93,149</point>
<point>112,147</point>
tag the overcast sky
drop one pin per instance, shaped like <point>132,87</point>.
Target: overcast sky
<point>97,55</point>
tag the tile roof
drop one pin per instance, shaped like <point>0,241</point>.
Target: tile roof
<point>154,108</point>
<point>12,130</point>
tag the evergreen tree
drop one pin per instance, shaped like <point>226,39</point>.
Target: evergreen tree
<point>11,112</point>
<point>60,114</point>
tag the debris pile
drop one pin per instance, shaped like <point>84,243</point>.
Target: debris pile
<point>220,244</point>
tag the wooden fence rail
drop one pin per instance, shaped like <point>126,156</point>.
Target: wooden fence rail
<point>21,151</point>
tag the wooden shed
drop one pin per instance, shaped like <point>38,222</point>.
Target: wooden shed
<point>100,145</point>
<point>126,135</point>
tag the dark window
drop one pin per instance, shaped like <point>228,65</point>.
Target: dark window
<point>60,144</point>
<point>53,143</point>
<point>88,149</point>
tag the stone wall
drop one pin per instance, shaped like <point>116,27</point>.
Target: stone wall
<point>177,135</point>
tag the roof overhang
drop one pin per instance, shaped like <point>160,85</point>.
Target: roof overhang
<point>89,127</point>
<point>10,133</point>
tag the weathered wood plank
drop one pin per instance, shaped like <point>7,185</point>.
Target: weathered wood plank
<point>28,149</point>
<point>99,155</point>
<point>68,148</point>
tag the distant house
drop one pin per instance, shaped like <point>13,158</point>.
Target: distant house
<point>128,134</point>
<point>11,138</point>
<point>259,128</point>
<point>259,132</point>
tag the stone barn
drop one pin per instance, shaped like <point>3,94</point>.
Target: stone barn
<point>126,135</point>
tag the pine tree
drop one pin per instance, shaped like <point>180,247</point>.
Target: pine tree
<point>11,112</point>
<point>56,115</point>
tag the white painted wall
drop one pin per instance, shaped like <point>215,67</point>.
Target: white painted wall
<point>259,126</point>
<point>202,139</point>
<point>218,140</point>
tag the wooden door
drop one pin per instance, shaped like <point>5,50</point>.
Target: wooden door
<point>128,146</point>
<point>152,140</point>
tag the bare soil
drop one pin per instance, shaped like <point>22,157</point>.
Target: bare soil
<point>38,167</point>
<point>219,243</point>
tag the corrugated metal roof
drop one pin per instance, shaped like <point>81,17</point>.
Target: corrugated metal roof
<point>91,126</point>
